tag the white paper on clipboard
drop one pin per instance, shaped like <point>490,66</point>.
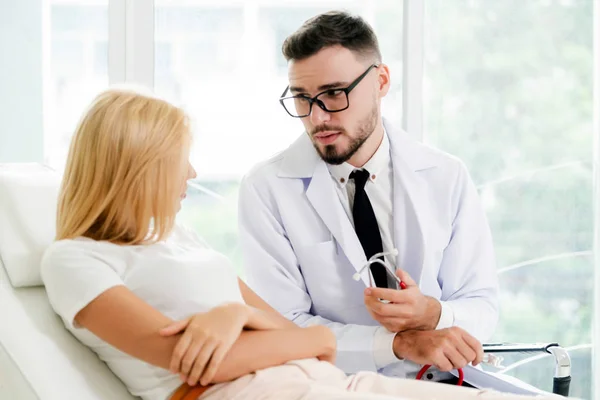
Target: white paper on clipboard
<point>501,383</point>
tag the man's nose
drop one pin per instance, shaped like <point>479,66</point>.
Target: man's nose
<point>318,115</point>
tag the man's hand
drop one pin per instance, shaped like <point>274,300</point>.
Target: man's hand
<point>407,309</point>
<point>446,349</point>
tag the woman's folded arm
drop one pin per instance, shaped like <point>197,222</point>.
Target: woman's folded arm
<point>125,321</point>
<point>128,323</point>
<point>268,316</point>
<point>256,350</point>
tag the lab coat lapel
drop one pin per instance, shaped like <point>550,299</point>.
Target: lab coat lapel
<point>410,204</point>
<point>411,219</point>
<point>323,197</point>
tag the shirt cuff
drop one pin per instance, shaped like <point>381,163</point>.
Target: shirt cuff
<point>383,348</point>
<point>446,316</point>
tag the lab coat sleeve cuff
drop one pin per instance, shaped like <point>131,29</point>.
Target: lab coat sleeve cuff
<point>446,316</point>
<point>383,348</point>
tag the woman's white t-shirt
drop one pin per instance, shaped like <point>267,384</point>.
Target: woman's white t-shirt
<point>179,277</point>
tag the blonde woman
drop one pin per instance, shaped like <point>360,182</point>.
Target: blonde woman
<point>165,312</point>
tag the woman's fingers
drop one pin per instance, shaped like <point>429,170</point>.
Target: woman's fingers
<point>190,357</point>
<point>201,361</point>
<point>213,365</point>
<point>179,352</point>
<point>175,327</point>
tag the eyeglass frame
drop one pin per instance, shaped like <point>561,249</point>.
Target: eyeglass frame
<point>313,100</point>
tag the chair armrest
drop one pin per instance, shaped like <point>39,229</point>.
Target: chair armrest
<point>562,373</point>
<point>518,347</point>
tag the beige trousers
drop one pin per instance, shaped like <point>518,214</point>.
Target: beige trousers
<point>316,380</point>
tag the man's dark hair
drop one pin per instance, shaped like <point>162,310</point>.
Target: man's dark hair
<point>333,28</point>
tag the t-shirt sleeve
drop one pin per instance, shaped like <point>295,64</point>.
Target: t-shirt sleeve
<point>185,234</point>
<point>74,275</point>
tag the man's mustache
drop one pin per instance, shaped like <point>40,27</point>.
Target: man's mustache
<point>325,128</point>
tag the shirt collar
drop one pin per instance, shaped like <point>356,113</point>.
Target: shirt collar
<point>375,166</point>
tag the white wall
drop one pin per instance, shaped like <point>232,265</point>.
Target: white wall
<point>21,118</point>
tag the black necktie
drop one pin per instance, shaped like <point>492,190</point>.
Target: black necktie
<point>365,225</point>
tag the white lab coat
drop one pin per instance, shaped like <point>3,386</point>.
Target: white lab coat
<point>300,249</point>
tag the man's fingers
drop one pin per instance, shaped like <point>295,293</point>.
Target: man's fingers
<point>475,346</point>
<point>455,357</point>
<point>405,277</point>
<point>466,351</point>
<point>394,324</point>
<point>442,362</point>
<point>389,310</point>
<point>382,310</point>
<point>392,295</point>
<point>371,302</point>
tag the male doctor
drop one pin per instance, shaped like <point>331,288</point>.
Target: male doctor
<point>353,186</point>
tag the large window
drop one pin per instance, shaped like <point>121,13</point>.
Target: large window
<point>508,89</point>
<point>77,68</point>
<point>223,63</point>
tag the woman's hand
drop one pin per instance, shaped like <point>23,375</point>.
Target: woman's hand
<point>327,341</point>
<point>205,342</point>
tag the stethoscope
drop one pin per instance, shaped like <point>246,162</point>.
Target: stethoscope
<point>375,259</point>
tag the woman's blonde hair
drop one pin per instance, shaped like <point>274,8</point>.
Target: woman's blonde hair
<point>126,167</point>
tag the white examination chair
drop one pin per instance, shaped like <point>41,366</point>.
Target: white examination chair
<point>39,358</point>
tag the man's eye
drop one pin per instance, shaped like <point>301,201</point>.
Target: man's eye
<point>334,93</point>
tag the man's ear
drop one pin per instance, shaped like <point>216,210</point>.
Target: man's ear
<point>383,79</point>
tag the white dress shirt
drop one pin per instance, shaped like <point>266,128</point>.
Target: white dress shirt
<point>379,189</point>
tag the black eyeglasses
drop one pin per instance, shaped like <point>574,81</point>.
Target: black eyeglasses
<point>330,100</point>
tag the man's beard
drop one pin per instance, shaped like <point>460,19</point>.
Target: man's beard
<point>365,128</point>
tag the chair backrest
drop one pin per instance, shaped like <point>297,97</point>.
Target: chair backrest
<point>44,360</point>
